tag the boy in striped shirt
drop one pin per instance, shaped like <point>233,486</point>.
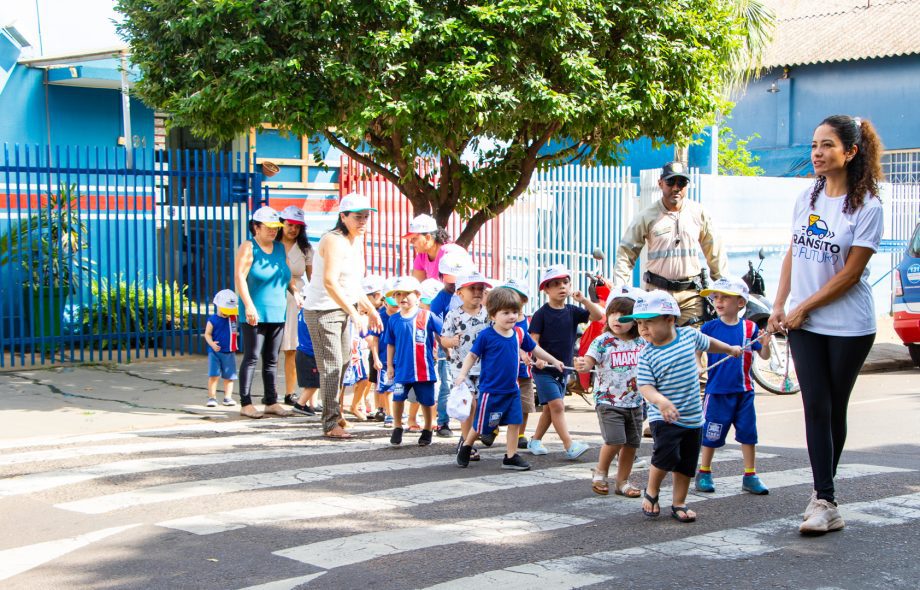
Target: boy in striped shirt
<point>411,338</point>
<point>669,382</point>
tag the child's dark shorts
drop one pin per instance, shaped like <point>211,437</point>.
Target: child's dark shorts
<point>307,373</point>
<point>676,448</point>
<point>496,410</point>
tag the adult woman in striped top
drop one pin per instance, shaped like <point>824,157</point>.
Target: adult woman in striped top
<point>333,296</point>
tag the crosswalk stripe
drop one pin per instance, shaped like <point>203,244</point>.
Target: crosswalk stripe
<point>37,482</point>
<point>164,445</point>
<point>340,552</point>
<point>361,547</point>
<point>22,559</point>
<point>242,483</point>
<point>45,441</point>
<point>727,544</point>
<point>388,499</point>
<point>287,584</point>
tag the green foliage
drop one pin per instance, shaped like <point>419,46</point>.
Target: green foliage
<point>479,86</point>
<point>120,306</point>
<point>737,160</point>
<point>47,246</point>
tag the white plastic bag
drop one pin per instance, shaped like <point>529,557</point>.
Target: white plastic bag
<point>460,402</point>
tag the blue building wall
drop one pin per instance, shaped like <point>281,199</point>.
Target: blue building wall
<point>78,116</point>
<point>881,90</point>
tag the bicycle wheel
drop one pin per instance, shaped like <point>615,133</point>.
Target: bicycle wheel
<point>776,374</point>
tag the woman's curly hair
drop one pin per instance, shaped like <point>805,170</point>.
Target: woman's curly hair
<point>864,171</point>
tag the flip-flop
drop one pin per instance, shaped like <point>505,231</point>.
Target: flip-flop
<point>654,502</point>
<point>599,484</point>
<point>686,516</point>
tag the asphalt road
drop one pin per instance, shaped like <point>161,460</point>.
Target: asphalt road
<point>269,504</point>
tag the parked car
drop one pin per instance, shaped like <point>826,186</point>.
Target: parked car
<point>906,305</point>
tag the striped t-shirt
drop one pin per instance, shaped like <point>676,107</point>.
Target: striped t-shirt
<point>671,369</point>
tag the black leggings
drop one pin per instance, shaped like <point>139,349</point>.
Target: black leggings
<point>827,367</point>
<point>262,340</point>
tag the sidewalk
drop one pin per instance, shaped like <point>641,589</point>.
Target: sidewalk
<point>70,401</point>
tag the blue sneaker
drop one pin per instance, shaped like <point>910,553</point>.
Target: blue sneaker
<point>703,482</point>
<point>753,485</point>
<point>576,450</point>
<point>388,422</point>
<point>535,446</point>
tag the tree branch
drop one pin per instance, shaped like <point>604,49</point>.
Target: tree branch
<point>366,160</point>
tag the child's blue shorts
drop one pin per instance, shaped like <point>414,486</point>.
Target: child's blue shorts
<point>417,391</point>
<point>222,364</point>
<point>722,410</point>
<point>496,410</point>
<point>549,386</point>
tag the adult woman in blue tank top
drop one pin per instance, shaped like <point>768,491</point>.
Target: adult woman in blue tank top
<point>262,279</point>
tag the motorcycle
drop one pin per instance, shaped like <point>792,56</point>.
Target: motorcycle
<point>776,374</point>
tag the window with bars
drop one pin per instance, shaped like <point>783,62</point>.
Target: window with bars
<point>902,166</point>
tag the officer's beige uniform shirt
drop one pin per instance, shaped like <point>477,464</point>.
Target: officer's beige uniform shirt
<point>660,230</point>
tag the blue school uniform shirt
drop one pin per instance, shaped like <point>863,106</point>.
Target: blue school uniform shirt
<point>672,370</point>
<point>734,375</point>
<point>498,357</point>
<point>524,371</point>
<point>413,338</point>
<point>444,302</point>
<point>304,342</point>
<point>557,329</point>
<point>381,344</point>
<point>223,332</point>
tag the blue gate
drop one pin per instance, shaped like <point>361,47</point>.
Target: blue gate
<point>100,261</point>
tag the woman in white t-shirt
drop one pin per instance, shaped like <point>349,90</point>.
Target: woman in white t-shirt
<point>836,227</point>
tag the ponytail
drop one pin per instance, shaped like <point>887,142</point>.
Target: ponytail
<point>864,171</point>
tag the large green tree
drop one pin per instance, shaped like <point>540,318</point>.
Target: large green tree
<point>491,90</point>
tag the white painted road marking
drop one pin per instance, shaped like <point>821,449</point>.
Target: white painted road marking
<point>736,543</point>
<point>22,559</point>
<point>388,499</point>
<point>287,584</point>
<point>241,483</point>
<point>358,548</point>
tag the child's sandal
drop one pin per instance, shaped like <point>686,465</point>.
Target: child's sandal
<point>599,483</point>
<point>682,514</point>
<point>627,491</point>
<point>653,500</point>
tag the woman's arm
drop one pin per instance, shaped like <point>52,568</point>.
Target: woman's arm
<point>778,316</point>
<point>241,271</point>
<point>331,248</point>
<point>835,288</point>
<point>419,274</point>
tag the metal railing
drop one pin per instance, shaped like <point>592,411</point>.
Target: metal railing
<point>100,261</point>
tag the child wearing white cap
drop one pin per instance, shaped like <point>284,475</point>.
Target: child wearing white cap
<point>669,381</point>
<point>411,341</point>
<point>729,397</point>
<point>554,327</point>
<point>220,333</point>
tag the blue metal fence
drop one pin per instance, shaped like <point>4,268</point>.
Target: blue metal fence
<point>102,262</point>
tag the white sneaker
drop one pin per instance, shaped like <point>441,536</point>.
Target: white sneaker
<point>810,509</point>
<point>824,518</point>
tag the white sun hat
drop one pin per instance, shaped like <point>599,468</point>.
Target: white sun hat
<point>293,215</point>
<point>421,224</point>
<point>429,289</point>
<point>372,284</point>
<point>267,217</point>
<point>554,271</point>
<point>404,284</point>
<point>728,286</point>
<point>227,302</point>
<point>653,304</point>
<point>355,202</point>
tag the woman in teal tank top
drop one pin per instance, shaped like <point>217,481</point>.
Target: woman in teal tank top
<point>262,280</point>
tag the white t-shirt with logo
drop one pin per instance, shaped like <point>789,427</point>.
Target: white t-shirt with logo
<point>821,241</point>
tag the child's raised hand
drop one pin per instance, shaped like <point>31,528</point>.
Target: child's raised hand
<point>668,412</point>
<point>580,365</point>
<point>578,296</point>
<point>736,351</point>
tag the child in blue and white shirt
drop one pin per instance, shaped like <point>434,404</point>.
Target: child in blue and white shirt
<point>411,340</point>
<point>730,389</point>
<point>669,381</point>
